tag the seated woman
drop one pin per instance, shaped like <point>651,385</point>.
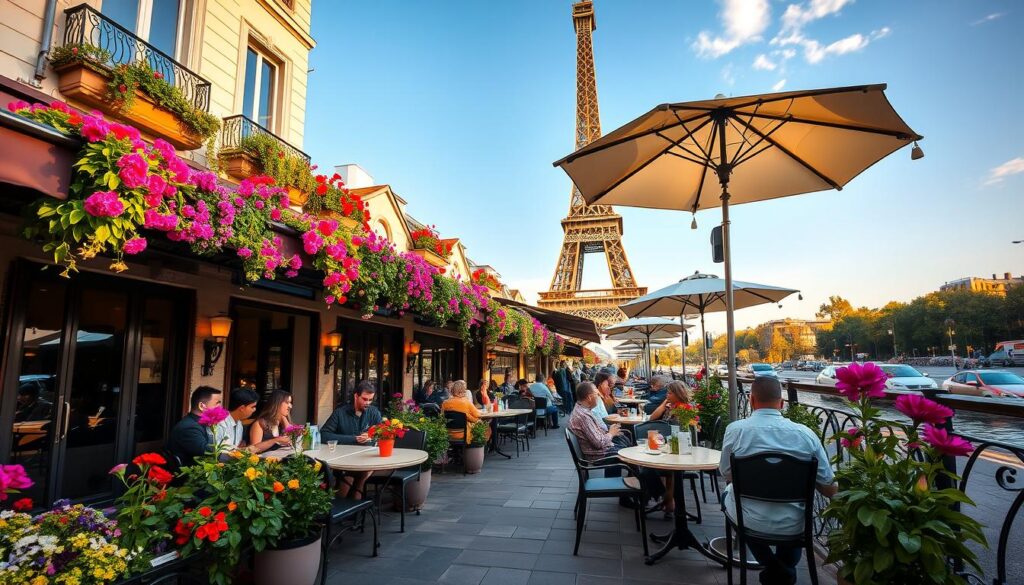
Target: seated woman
<point>272,419</point>
<point>422,394</point>
<point>483,395</point>
<point>459,402</point>
<point>604,383</point>
<point>676,394</point>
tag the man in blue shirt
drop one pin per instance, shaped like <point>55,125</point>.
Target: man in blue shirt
<point>768,431</point>
<point>540,390</point>
<point>656,394</point>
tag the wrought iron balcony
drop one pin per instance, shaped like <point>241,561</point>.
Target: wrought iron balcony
<point>237,128</point>
<point>84,25</point>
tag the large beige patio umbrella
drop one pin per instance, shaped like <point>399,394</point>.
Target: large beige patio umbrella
<point>754,147</point>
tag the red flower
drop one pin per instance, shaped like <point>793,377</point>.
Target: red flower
<point>160,495</point>
<point>945,443</point>
<point>122,88</point>
<point>150,459</point>
<point>205,512</point>
<point>159,475</point>
<point>182,533</point>
<point>74,50</point>
<point>158,75</point>
<point>321,189</point>
<point>278,487</point>
<point>22,504</point>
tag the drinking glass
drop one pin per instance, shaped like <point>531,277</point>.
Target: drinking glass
<point>331,446</point>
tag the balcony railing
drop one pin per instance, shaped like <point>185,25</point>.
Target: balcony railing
<point>237,128</point>
<point>85,26</point>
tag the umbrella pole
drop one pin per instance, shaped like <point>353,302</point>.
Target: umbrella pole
<point>730,323</point>
<point>704,344</point>
<point>682,321</point>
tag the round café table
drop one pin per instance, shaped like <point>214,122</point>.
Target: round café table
<point>493,416</point>
<point>631,401</point>
<point>370,460</point>
<point>701,459</point>
<point>616,419</point>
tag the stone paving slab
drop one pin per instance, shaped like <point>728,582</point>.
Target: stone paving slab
<point>513,524</point>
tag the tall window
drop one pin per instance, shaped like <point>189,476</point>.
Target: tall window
<point>260,87</point>
<point>155,21</point>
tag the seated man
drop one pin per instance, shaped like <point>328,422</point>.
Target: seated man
<point>595,441</point>
<point>348,425</point>
<point>656,394</point>
<point>768,431</point>
<point>540,390</point>
<point>188,438</point>
<point>30,405</point>
<point>231,431</point>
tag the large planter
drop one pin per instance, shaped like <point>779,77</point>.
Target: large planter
<point>432,258</point>
<point>240,165</point>
<point>293,563</point>
<point>344,221</point>
<point>474,459</point>
<point>416,491</point>
<point>86,87</point>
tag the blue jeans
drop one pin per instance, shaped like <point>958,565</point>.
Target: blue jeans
<point>567,401</point>
<point>552,413</point>
<point>779,566</point>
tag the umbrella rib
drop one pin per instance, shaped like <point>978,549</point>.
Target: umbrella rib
<point>705,153</point>
<point>630,174</point>
<point>868,129</point>
<point>592,148</point>
<point>740,159</point>
<point>793,156</point>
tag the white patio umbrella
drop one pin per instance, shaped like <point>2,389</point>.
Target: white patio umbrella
<point>702,293</point>
<point>761,147</point>
<point>644,328</point>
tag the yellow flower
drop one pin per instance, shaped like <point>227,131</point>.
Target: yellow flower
<point>40,580</point>
<point>272,460</point>
<point>236,454</point>
<point>293,484</point>
<point>251,473</point>
<point>317,466</point>
<point>254,459</point>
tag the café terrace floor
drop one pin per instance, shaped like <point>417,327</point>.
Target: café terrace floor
<point>512,524</point>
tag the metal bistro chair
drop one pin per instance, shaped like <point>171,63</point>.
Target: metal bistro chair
<point>665,429</point>
<point>792,481</point>
<point>540,406</point>
<point>517,430</point>
<point>456,421</point>
<point>411,440</point>
<point>710,436</point>
<point>342,509</point>
<point>531,419</point>
<point>604,487</point>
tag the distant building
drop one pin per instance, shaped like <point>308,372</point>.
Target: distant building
<point>994,285</point>
<point>800,336</point>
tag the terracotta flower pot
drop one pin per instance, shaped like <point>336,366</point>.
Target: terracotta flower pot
<point>291,563</point>
<point>474,459</point>
<point>431,257</point>
<point>387,446</point>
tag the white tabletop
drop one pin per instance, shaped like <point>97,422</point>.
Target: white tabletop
<point>504,413</point>
<point>632,400</point>
<point>322,453</point>
<point>370,460</point>
<point>700,459</point>
<point>625,420</point>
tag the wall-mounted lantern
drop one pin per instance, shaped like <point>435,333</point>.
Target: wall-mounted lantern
<point>213,346</point>
<point>332,350</point>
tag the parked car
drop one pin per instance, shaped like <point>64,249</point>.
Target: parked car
<point>827,376</point>
<point>1007,354</point>
<point>722,370</point>
<point>788,365</point>
<point>904,377</point>
<point>990,383</point>
<point>762,370</point>
<point>819,366</point>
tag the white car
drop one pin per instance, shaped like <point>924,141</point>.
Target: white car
<point>722,370</point>
<point>900,377</point>
<point>762,370</point>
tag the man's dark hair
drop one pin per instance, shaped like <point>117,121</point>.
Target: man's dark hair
<point>241,397</point>
<point>766,389</point>
<point>584,390</point>
<point>200,395</point>
<point>522,382</point>
<point>365,387</point>
<point>601,377</point>
<point>541,377</point>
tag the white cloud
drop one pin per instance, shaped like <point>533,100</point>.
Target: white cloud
<point>988,18</point>
<point>796,16</point>
<point>1011,167</point>
<point>787,54</point>
<point>779,85</point>
<point>763,63</point>
<point>880,33</point>
<point>814,52</point>
<point>728,76</point>
<point>743,21</point>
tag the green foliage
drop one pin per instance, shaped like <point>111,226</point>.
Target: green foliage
<point>433,426</point>
<point>79,53</point>
<point>287,169</point>
<point>478,433</point>
<point>713,401</point>
<point>126,78</point>
<point>893,524</point>
<point>799,413</point>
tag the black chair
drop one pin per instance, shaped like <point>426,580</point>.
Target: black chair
<point>456,421</point>
<point>604,487</point>
<point>343,509</point>
<point>665,429</point>
<point>540,406</point>
<point>430,409</point>
<point>413,439</point>
<point>710,436</point>
<point>526,404</point>
<point>792,481</point>
<point>518,429</point>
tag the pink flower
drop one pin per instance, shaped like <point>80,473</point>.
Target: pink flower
<point>213,416</point>
<point>18,105</point>
<point>94,128</point>
<point>159,221</point>
<point>134,246</point>
<point>945,443</point>
<point>244,252</point>
<point>156,185</point>
<point>275,214</point>
<point>922,410</point>
<point>120,467</point>
<point>327,227</point>
<point>852,439</point>
<point>179,169</point>
<point>13,477</point>
<point>311,242</point>
<point>856,379</point>
<point>103,204</point>
<point>133,170</point>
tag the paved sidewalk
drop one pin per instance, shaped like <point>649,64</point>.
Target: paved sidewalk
<point>513,524</point>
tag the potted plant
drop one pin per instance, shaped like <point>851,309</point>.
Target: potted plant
<point>894,522</point>
<point>385,433</point>
<point>427,243</point>
<point>475,449</point>
<point>331,198</point>
<point>437,446</point>
<point>261,153</point>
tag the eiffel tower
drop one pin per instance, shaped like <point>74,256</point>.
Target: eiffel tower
<point>589,228</point>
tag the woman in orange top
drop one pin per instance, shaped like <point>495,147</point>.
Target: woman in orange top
<point>460,402</point>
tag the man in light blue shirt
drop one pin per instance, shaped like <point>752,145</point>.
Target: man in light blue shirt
<point>540,390</point>
<point>768,431</point>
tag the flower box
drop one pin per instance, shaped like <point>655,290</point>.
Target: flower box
<point>85,86</point>
<point>432,258</point>
<point>344,221</point>
<point>240,165</point>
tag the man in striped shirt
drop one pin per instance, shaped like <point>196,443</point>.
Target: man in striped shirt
<point>595,442</point>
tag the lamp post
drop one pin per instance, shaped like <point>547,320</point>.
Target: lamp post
<point>950,324</point>
<point>892,331</point>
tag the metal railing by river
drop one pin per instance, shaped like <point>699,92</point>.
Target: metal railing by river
<point>993,475</point>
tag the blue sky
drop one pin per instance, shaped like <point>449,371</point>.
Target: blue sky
<point>462,106</point>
